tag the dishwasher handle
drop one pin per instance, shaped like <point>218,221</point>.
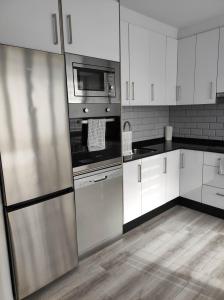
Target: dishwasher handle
<point>101,179</point>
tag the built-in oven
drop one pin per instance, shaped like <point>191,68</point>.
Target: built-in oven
<point>83,160</point>
<point>92,80</point>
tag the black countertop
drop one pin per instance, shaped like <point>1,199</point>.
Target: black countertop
<point>161,146</point>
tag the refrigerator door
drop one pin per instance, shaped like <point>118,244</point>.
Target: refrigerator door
<point>43,238</point>
<point>34,133</point>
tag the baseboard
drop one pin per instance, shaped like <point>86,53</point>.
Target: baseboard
<point>207,209</point>
<point>146,217</point>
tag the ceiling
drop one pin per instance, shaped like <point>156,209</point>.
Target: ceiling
<point>178,13</point>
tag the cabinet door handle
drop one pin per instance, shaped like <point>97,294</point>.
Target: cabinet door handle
<point>69,28</point>
<point>127,90</point>
<point>133,90</point>
<point>182,160</point>
<point>55,28</point>
<point>219,194</point>
<point>178,93</point>
<point>152,92</point>
<point>211,90</point>
<point>139,173</point>
<point>101,179</point>
<point>165,165</point>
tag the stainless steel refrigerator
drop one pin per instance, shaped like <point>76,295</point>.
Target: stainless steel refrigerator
<point>36,169</point>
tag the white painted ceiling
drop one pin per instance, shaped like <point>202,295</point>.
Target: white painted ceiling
<point>178,13</point>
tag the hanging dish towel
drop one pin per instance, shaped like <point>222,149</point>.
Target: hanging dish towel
<point>96,134</point>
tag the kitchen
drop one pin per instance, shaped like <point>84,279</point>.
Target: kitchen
<point>111,149</point>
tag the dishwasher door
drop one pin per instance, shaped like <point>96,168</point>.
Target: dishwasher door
<point>99,209</point>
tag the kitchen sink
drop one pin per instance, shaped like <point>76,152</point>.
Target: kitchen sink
<point>139,151</point>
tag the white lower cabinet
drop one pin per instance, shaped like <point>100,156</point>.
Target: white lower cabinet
<point>150,183</point>
<point>153,182</point>
<point>173,175</point>
<point>191,164</point>
<point>132,190</point>
<point>213,196</point>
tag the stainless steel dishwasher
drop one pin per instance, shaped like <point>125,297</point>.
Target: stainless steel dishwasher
<point>99,209</point>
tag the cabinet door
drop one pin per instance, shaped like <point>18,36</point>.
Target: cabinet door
<point>191,165</point>
<point>30,24</point>
<point>220,80</point>
<point>5,280</point>
<point>139,65</point>
<point>91,28</point>
<point>173,175</point>
<point>185,70</point>
<point>125,80</point>
<point>157,55</point>
<point>171,71</point>
<point>132,190</point>
<point>206,67</point>
<point>153,182</point>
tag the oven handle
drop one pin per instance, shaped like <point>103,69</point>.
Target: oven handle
<point>107,120</point>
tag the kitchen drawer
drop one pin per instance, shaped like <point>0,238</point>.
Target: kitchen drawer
<point>213,196</point>
<point>212,159</point>
<point>212,177</point>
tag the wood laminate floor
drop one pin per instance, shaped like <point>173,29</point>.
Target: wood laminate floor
<point>177,255</point>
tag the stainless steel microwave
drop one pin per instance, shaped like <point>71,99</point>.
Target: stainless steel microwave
<point>92,80</point>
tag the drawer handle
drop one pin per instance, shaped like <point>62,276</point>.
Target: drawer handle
<point>219,194</point>
<point>139,173</point>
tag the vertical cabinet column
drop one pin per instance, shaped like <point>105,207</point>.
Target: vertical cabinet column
<point>125,69</point>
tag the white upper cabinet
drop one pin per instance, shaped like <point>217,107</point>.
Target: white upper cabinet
<point>30,24</point>
<point>125,70</point>
<point>157,68</point>
<point>186,68</point>
<point>206,67</point>
<point>139,65</point>
<point>171,71</point>
<point>220,80</point>
<point>91,28</point>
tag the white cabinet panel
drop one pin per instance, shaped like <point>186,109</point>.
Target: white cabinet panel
<point>206,67</point>
<point>191,174</point>
<point>171,71</point>
<point>185,70</point>
<point>132,190</point>
<point>213,196</point>
<point>212,159</point>
<point>125,79</point>
<point>220,80</point>
<point>212,177</point>
<point>173,175</point>
<point>30,24</point>
<point>157,63</point>
<point>139,65</point>
<point>153,182</point>
<point>5,280</point>
<point>91,28</point>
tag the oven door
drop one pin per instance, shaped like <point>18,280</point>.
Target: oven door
<point>91,82</point>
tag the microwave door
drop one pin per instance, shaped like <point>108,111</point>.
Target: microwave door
<point>90,82</point>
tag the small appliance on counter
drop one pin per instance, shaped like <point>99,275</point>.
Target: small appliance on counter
<point>168,133</point>
<point>127,139</point>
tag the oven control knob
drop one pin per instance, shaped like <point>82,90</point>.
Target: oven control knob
<point>107,109</point>
<point>85,110</point>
